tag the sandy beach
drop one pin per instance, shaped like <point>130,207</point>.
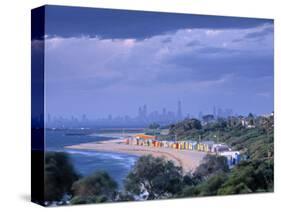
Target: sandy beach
<point>187,159</point>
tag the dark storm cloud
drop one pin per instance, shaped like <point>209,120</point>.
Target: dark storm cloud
<point>107,23</point>
<point>193,43</point>
<point>237,40</point>
<point>216,50</point>
<point>258,35</point>
<point>261,33</point>
<point>200,67</point>
<point>167,40</point>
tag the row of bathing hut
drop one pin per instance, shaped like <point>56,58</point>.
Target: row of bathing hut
<point>204,146</point>
<point>233,157</point>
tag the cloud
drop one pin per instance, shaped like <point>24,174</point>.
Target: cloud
<point>167,40</point>
<point>217,50</point>
<point>182,56</point>
<point>258,34</point>
<point>267,30</point>
<point>193,43</point>
<point>107,23</point>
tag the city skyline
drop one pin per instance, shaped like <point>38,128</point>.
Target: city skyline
<point>178,112</point>
<point>143,117</point>
<point>143,111</point>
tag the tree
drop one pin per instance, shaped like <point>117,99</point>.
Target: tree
<point>205,188</point>
<point>154,126</point>
<point>211,165</point>
<point>188,180</point>
<point>248,177</point>
<point>251,119</point>
<point>154,178</point>
<point>212,184</point>
<point>184,127</point>
<point>267,123</point>
<point>77,200</point>
<point>59,175</point>
<point>98,187</point>
<point>220,124</point>
<point>207,118</point>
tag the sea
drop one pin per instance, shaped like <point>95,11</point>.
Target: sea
<point>86,162</point>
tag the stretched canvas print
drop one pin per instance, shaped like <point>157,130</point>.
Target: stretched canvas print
<point>135,106</point>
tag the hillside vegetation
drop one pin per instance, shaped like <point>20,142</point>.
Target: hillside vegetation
<point>254,143</point>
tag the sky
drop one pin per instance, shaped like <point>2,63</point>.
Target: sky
<point>102,61</point>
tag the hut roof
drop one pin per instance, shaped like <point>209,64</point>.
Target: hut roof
<point>143,136</point>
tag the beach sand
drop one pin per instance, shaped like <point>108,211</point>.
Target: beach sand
<point>187,159</point>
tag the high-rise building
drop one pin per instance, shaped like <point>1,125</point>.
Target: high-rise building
<point>220,113</point>
<point>215,111</point>
<point>140,112</point>
<point>200,115</point>
<point>84,118</point>
<point>144,111</point>
<point>228,112</point>
<point>164,113</point>
<point>179,111</point>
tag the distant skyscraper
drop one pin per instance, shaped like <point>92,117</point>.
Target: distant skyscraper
<point>164,113</point>
<point>220,113</point>
<point>140,112</point>
<point>84,118</point>
<point>179,112</point>
<point>144,111</point>
<point>215,111</point>
<point>228,112</point>
<point>200,115</point>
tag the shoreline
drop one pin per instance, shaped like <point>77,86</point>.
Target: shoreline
<point>187,159</point>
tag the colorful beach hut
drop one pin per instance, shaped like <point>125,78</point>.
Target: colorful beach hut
<point>207,145</point>
<point>192,145</point>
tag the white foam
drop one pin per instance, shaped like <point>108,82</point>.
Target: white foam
<point>103,155</point>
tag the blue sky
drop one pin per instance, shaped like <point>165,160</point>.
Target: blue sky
<point>101,62</point>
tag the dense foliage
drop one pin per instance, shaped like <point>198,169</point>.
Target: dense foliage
<point>62,180</point>
<point>255,143</point>
<point>98,187</point>
<point>154,178</point>
<point>187,125</point>
<point>59,175</point>
<point>248,177</point>
<point>211,165</point>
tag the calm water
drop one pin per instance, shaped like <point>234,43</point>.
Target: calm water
<point>87,162</point>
